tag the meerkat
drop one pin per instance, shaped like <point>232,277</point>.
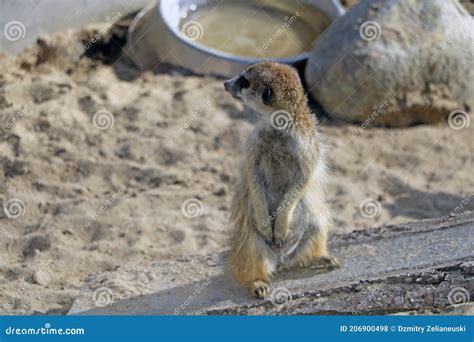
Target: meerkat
<point>279,214</point>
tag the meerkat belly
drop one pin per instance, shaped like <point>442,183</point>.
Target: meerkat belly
<point>279,167</point>
<point>280,189</point>
<point>279,180</point>
<point>302,221</point>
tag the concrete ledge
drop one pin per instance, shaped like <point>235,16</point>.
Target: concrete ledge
<point>419,266</point>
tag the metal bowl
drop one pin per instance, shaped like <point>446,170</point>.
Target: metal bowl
<point>155,36</point>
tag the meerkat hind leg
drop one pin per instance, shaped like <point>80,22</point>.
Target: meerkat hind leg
<point>251,266</point>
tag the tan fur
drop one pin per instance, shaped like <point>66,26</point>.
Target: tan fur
<point>287,193</point>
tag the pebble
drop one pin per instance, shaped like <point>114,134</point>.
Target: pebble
<point>42,278</point>
<point>38,242</point>
<point>468,267</point>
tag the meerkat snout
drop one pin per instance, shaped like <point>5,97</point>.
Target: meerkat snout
<point>235,86</point>
<point>266,87</point>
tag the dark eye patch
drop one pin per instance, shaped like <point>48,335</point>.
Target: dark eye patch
<point>267,95</point>
<point>242,82</point>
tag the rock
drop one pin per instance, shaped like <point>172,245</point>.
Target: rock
<point>220,192</point>
<point>58,51</point>
<point>468,267</point>
<point>381,284</point>
<point>12,168</point>
<point>42,278</point>
<point>395,63</point>
<point>468,5</point>
<point>124,151</point>
<point>38,242</point>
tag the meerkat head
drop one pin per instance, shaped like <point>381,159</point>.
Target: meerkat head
<point>267,87</point>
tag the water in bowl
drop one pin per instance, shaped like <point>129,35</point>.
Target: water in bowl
<point>245,30</point>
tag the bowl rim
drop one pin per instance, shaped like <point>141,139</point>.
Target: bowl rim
<point>219,53</point>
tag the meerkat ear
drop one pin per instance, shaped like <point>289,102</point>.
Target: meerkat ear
<point>267,95</point>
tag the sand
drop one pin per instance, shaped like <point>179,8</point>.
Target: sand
<point>92,199</point>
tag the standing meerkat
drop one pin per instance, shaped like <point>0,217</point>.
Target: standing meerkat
<point>279,212</point>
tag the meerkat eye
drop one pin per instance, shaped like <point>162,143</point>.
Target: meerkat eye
<point>267,96</point>
<point>242,82</point>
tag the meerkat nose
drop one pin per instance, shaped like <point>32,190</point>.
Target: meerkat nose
<point>227,85</point>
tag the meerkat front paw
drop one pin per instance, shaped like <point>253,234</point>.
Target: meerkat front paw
<point>266,234</point>
<point>264,227</point>
<point>259,289</point>
<point>280,234</point>
<point>279,241</point>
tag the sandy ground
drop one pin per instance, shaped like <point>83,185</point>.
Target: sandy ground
<point>91,200</point>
